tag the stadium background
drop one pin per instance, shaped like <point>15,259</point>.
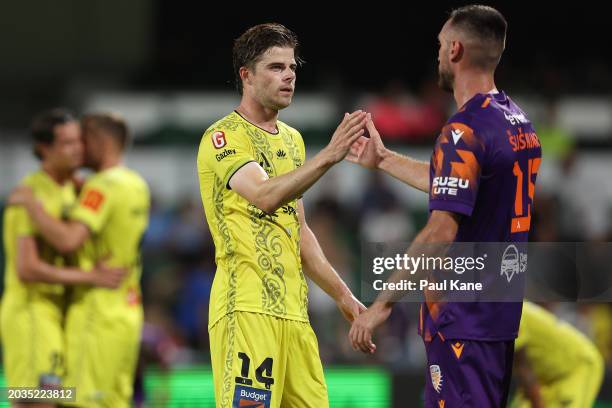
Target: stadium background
<point>166,65</point>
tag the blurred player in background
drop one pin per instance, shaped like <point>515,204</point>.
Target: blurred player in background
<point>103,326</point>
<point>253,173</point>
<point>489,147</point>
<point>33,302</point>
<point>556,365</point>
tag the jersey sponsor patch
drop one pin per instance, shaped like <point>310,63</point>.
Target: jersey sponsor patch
<point>218,139</point>
<point>93,200</point>
<point>249,397</point>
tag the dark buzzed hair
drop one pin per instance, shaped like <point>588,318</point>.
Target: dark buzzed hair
<point>111,123</point>
<point>486,25</point>
<point>255,41</point>
<point>43,126</point>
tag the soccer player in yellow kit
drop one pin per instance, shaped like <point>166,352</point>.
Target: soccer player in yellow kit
<point>33,302</point>
<point>252,173</point>
<point>103,326</point>
<point>557,366</point>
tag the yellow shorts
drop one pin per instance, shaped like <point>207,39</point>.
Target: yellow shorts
<point>262,361</point>
<point>102,354</point>
<point>32,341</point>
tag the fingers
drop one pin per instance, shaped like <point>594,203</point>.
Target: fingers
<point>373,131</point>
<point>361,339</point>
<point>351,338</point>
<point>353,158</point>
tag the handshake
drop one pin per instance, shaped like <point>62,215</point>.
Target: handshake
<point>363,321</point>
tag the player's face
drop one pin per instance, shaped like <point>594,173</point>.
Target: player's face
<point>273,79</point>
<point>446,78</point>
<point>66,151</point>
<point>93,147</point>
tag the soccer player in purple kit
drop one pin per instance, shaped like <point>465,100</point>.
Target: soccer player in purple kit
<point>490,146</point>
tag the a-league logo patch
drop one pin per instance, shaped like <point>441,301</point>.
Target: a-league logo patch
<point>218,139</point>
<point>436,377</point>
<point>249,397</point>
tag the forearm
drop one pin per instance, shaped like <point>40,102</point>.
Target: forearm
<point>317,267</point>
<point>55,232</point>
<point>413,172</point>
<point>277,191</point>
<point>42,272</point>
<point>432,242</point>
<point>426,244</point>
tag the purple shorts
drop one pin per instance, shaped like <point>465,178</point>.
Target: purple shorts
<point>468,373</point>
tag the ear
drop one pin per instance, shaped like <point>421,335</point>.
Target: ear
<point>456,51</point>
<point>42,149</point>
<point>245,75</point>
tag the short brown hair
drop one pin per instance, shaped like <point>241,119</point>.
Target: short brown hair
<point>255,41</point>
<point>486,25</point>
<point>43,126</point>
<point>112,123</point>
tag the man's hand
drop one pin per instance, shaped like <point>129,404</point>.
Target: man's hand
<point>350,129</point>
<point>22,195</point>
<point>363,327</point>
<point>104,276</point>
<point>368,152</point>
<point>350,307</point>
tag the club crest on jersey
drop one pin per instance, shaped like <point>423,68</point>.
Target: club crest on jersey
<point>436,377</point>
<point>249,397</point>
<point>218,139</point>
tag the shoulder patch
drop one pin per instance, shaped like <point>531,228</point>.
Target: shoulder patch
<point>93,200</point>
<point>218,139</point>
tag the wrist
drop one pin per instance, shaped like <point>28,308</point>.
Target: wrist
<point>386,156</point>
<point>342,292</point>
<point>381,306</point>
<point>326,158</point>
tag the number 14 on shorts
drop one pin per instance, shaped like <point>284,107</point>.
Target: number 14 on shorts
<point>247,396</point>
<point>263,373</point>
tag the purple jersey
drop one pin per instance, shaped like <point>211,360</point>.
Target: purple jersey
<point>484,167</point>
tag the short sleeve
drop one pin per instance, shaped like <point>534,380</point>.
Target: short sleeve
<point>21,222</point>
<point>224,152</point>
<point>455,169</point>
<point>93,206</point>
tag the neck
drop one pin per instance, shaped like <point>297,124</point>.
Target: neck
<point>110,160</point>
<point>59,176</point>
<point>468,84</point>
<point>258,114</point>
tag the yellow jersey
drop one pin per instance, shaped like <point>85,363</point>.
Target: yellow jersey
<point>57,200</point>
<point>114,204</point>
<point>257,254</point>
<point>554,348</point>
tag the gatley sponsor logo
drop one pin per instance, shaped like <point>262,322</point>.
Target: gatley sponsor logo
<point>225,153</point>
<point>449,185</point>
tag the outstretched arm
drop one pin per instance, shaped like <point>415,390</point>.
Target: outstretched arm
<point>371,153</point>
<point>317,267</point>
<point>432,241</point>
<point>268,194</point>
